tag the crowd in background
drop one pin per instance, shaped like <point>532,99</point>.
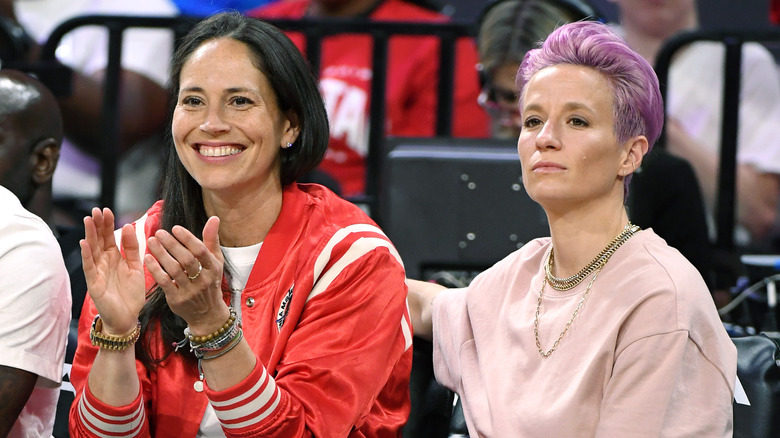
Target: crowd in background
<point>53,170</point>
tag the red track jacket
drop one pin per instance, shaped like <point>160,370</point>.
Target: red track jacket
<point>329,326</point>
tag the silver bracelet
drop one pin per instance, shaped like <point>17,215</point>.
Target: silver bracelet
<point>199,345</point>
<point>236,341</point>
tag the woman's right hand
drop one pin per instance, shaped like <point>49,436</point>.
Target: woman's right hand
<point>114,282</point>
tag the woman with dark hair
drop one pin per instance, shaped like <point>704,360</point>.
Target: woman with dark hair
<point>601,329</point>
<point>260,307</point>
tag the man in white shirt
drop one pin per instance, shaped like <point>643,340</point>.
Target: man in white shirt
<point>34,316</point>
<point>35,300</point>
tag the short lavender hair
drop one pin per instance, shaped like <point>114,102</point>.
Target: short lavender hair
<point>637,102</point>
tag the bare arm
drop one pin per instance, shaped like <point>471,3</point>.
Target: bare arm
<point>757,192</point>
<point>15,388</point>
<point>421,295</point>
<point>142,110</point>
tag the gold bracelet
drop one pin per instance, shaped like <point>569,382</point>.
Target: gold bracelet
<point>111,342</point>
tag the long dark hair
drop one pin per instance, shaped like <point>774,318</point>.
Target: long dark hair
<point>295,87</point>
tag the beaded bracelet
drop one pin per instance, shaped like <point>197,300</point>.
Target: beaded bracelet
<point>111,342</point>
<point>216,344</point>
<point>203,339</point>
<point>217,340</point>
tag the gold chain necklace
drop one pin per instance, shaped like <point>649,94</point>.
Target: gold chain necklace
<point>564,284</point>
<point>566,327</point>
<point>568,283</point>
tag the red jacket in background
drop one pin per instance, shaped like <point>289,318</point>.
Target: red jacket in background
<point>345,81</point>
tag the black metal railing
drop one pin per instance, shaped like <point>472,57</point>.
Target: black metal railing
<point>116,26</point>
<point>315,31</point>
<point>733,41</point>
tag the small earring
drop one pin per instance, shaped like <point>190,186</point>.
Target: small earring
<point>287,146</point>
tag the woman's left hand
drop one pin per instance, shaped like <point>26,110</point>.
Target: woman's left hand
<point>189,271</point>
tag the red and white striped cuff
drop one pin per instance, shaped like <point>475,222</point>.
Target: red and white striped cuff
<point>107,421</point>
<point>248,403</point>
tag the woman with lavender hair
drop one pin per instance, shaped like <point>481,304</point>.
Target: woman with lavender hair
<point>601,329</point>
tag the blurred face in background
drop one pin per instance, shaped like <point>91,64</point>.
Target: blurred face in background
<point>659,18</point>
<point>499,97</point>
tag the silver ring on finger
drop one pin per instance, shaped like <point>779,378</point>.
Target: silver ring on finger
<point>197,274</point>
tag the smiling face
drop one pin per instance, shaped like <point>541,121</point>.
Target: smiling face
<point>227,127</point>
<point>567,146</point>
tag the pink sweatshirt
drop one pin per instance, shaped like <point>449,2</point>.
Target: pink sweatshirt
<point>646,356</point>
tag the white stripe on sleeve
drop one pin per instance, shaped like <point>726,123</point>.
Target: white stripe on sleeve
<point>109,426</point>
<point>338,236</point>
<point>254,404</point>
<point>359,248</point>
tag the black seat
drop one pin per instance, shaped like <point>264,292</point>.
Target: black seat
<point>758,369</point>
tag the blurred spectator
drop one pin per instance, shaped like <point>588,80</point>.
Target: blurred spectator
<point>30,145</point>
<point>345,80</point>
<point>29,152</point>
<point>694,109</point>
<point>507,30</point>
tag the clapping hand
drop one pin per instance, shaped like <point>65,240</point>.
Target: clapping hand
<point>189,271</point>
<point>115,282</point>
